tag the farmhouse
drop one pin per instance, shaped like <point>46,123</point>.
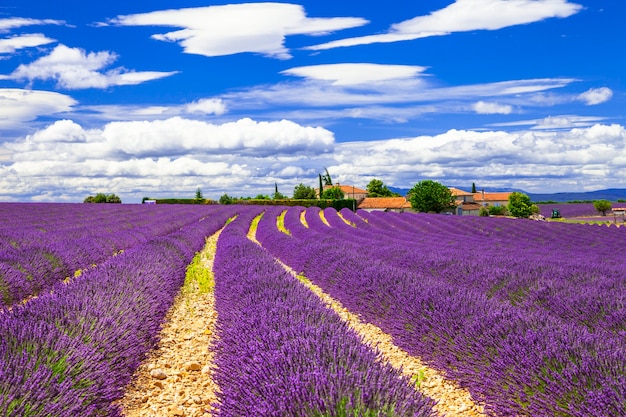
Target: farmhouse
<point>349,191</point>
<point>619,213</point>
<point>492,199</point>
<point>396,204</point>
<point>465,204</point>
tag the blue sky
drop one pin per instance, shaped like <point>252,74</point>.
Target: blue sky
<point>159,98</point>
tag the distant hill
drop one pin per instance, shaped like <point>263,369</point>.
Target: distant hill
<point>611,194</point>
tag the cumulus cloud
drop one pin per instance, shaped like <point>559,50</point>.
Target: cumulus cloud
<point>463,16</point>
<point>13,43</point>
<point>174,137</point>
<point>74,68</point>
<point>483,107</point>
<point>154,157</point>
<point>207,106</point>
<point>240,158</point>
<point>531,160</point>
<point>595,96</point>
<point>17,106</point>
<point>237,28</point>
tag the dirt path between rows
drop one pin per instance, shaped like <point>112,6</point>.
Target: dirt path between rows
<point>176,379</point>
<point>452,400</point>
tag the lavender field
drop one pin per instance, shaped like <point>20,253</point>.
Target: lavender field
<point>529,316</point>
<point>575,210</point>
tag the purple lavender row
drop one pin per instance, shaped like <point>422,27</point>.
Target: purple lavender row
<point>72,351</point>
<point>520,361</point>
<point>590,270</point>
<point>281,352</point>
<point>39,254</point>
<point>579,286</point>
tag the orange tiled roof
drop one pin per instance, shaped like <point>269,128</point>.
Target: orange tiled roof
<point>384,203</point>
<point>458,193</point>
<point>347,189</point>
<point>500,196</point>
<point>471,206</point>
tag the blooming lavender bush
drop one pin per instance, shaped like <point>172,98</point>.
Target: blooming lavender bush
<point>41,244</point>
<point>71,352</point>
<point>281,352</point>
<point>569,210</point>
<point>529,316</point>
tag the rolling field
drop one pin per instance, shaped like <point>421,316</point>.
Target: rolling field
<point>528,317</point>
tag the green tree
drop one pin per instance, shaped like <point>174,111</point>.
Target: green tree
<point>321,186</point>
<point>431,196</point>
<point>602,206</point>
<point>100,198</point>
<point>473,188</point>
<point>103,198</point>
<point>326,178</point>
<point>112,198</point>
<point>520,205</point>
<point>199,194</point>
<point>376,188</point>
<point>226,199</point>
<point>497,210</point>
<point>332,193</point>
<point>277,195</point>
<point>304,192</point>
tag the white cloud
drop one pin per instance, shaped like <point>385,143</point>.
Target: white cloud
<point>207,106</point>
<point>595,96</point>
<point>535,161</point>
<point>554,122</point>
<point>318,93</point>
<point>463,16</point>
<point>483,107</point>
<point>17,106</point>
<point>356,73</point>
<point>74,68</point>
<point>16,22</point>
<point>162,156</point>
<point>237,28</point>
<point>138,159</point>
<point>172,137</point>
<point>61,131</point>
<point>9,45</point>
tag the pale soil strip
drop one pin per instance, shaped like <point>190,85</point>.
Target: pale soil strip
<point>324,218</point>
<point>346,221</point>
<point>452,400</point>
<point>176,378</point>
<point>303,219</point>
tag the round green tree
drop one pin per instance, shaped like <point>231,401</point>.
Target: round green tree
<point>520,205</point>
<point>333,193</point>
<point>304,192</point>
<point>602,206</point>
<point>431,196</point>
<point>376,188</point>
